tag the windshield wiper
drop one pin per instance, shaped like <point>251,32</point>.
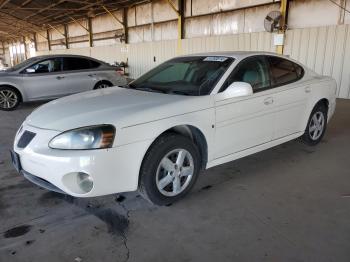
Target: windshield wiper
<point>149,89</point>
<point>180,92</point>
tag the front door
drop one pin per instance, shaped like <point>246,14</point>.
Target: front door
<point>44,79</point>
<point>245,122</point>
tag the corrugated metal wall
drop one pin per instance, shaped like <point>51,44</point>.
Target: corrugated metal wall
<point>144,56</point>
<point>325,50</point>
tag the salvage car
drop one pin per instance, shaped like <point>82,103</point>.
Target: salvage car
<point>49,77</point>
<point>158,132</point>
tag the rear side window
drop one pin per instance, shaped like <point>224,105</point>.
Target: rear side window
<point>284,71</point>
<point>94,64</point>
<point>75,63</point>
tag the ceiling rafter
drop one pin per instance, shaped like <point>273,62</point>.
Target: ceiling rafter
<point>34,16</point>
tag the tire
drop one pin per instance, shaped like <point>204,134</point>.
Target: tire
<point>316,125</point>
<point>9,98</point>
<point>162,180</point>
<point>103,84</point>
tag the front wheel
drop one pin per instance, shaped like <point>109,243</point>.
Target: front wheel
<point>169,170</point>
<point>9,98</point>
<point>316,126</point>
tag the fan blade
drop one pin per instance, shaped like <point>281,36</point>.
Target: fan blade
<point>269,18</point>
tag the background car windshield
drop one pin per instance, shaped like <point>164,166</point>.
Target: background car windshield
<point>195,75</point>
<point>23,64</point>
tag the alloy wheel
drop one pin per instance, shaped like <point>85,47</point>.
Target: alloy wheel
<point>8,99</point>
<point>174,172</point>
<point>316,125</point>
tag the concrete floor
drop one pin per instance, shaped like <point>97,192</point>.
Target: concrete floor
<point>289,203</point>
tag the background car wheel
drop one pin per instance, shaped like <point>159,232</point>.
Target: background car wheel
<point>169,169</point>
<point>9,98</point>
<point>316,125</point>
<point>103,84</point>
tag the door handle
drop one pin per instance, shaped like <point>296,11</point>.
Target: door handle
<point>92,75</point>
<point>59,77</point>
<point>307,89</point>
<point>268,101</point>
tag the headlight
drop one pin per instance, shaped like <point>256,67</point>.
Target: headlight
<point>91,137</point>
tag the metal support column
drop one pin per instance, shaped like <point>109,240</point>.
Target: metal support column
<point>91,34</point>
<point>125,25</point>
<point>35,42</point>
<point>180,22</point>
<point>48,39</point>
<point>65,27</point>
<point>284,21</point>
<point>25,48</point>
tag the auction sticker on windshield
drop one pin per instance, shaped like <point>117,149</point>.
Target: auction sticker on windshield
<point>215,58</point>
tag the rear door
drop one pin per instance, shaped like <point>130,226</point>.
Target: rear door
<point>44,79</point>
<point>79,74</point>
<point>291,95</point>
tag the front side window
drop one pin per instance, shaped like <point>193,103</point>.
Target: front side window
<point>75,63</point>
<point>284,71</point>
<point>196,75</point>
<point>46,66</point>
<point>252,70</point>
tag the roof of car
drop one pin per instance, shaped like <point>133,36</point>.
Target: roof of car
<point>235,54</point>
<point>62,55</point>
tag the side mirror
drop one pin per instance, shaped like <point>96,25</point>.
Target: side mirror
<point>30,70</point>
<point>237,89</point>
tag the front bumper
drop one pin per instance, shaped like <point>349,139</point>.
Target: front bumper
<point>113,170</point>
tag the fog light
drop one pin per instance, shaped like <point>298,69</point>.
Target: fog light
<point>85,182</point>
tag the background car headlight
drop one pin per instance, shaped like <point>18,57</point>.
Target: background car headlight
<point>91,137</point>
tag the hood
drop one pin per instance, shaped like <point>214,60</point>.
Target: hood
<point>6,73</point>
<point>118,106</point>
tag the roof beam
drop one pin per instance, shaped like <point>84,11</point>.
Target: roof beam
<point>19,19</point>
<point>58,31</point>
<point>3,3</point>
<point>44,9</point>
<point>22,5</point>
<point>113,15</point>
<point>78,23</point>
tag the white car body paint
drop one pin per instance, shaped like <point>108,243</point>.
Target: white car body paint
<point>232,127</point>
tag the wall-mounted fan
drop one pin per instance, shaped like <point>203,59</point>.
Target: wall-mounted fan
<point>272,21</point>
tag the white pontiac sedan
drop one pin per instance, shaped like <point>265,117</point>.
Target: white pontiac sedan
<point>156,134</point>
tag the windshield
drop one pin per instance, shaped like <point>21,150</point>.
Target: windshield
<point>23,64</point>
<point>196,75</point>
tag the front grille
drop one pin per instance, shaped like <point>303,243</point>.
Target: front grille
<point>25,139</point>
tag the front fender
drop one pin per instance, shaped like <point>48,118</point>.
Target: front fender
<point>203,120</point>
<point>16,86</point>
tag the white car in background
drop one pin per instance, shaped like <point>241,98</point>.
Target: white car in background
<point>187,114</point>
<point>49,77</point>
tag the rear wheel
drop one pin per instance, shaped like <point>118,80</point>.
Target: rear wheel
<point>316,126</point>
<point>9,98</point>
<point>169,170</point>
<point>103,84</point>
